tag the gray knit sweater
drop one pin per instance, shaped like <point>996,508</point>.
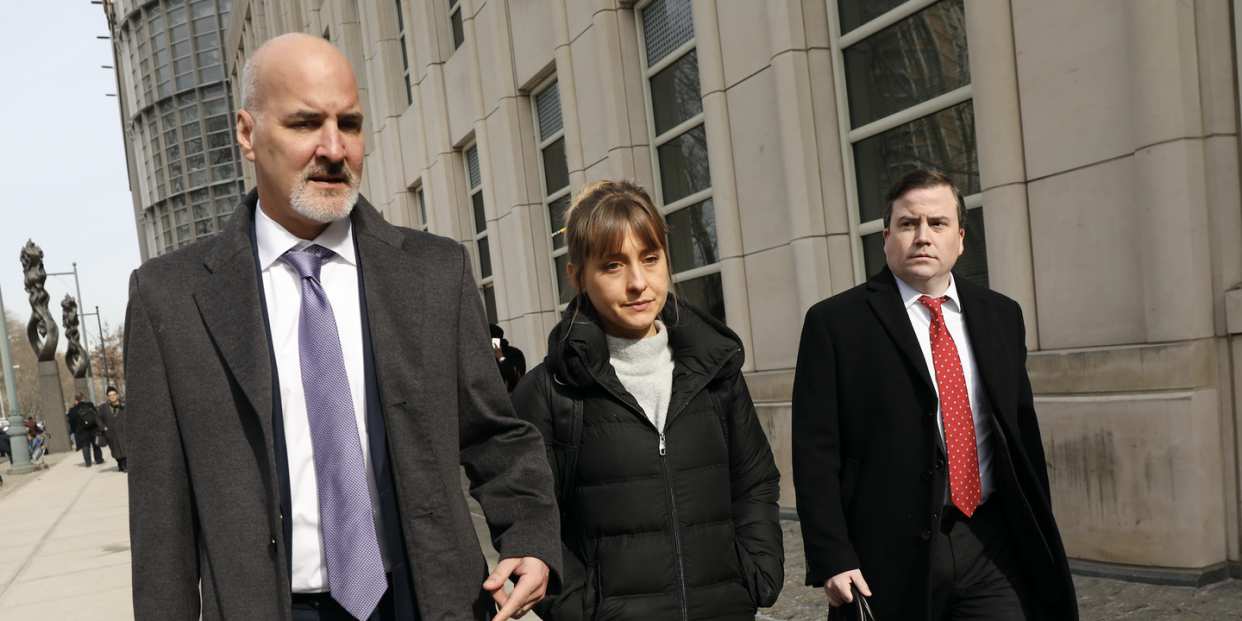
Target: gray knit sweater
<point>645,368</point>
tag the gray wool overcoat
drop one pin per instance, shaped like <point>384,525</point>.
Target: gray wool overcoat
<point>205,521</point>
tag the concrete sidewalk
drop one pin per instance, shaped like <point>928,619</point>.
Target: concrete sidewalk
<point>64,543</point>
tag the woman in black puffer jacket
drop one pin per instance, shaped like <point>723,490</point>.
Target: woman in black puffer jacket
<point>667,485</point>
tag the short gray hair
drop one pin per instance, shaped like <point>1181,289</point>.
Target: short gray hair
<point>250,87</point>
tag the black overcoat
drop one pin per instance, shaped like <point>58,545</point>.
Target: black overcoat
<point>868,461</point>
<point>112,421</point>
<point>660,526</point>
<point>205,518</point>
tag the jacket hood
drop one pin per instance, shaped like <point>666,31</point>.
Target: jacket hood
<point>702,345</point>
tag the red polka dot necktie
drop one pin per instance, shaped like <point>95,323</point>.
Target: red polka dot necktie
<point>959,422</point>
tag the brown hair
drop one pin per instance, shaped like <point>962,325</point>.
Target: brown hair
<point>923,179</point>
<point>602,214</point>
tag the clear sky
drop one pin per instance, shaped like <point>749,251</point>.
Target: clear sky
<point>64,158</point>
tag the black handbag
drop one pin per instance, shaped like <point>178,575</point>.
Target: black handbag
<point>101,440</point>
<point>858,610</point>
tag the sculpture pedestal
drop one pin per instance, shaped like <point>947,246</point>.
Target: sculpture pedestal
<point>83,385</point>
<point>53,406</point>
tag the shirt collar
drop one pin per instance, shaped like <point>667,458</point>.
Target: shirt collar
<point>910,296</point>
<point>274,240</point>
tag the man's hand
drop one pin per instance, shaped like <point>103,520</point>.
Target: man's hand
<point>529,589</point>
<point>838,587</point>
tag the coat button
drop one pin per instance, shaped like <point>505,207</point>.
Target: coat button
<point>271,545</point>
<point>926,535</point>
<point>927,475</point>
<point>939,464</point>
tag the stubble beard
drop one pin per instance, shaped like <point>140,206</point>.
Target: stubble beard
<point>330,205</point>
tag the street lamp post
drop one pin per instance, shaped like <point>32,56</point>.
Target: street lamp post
<point>17,436</point>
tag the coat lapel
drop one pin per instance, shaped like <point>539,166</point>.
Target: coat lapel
<point>988,346</point>
<point>886,303</point>
<point>394,298</point>
<point>228,302</point>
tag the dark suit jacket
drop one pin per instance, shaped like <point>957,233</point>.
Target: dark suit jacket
<point>204,485</point>
<point>868,461</point>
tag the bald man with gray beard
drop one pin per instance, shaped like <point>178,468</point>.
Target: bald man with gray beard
<point>305,387</point>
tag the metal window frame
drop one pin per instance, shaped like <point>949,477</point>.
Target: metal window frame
<point>837,45</point>
<point>554,253</point>
<point>406,55</point>
<point>654,141</point>
<point>471,191</point>
<point>420,207</point>
<point>455,7</point>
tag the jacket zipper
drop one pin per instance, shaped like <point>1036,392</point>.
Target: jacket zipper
<point>668,477</point>
<point>672,504</point>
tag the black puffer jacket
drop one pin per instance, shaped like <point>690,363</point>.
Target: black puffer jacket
<point>677,527</point>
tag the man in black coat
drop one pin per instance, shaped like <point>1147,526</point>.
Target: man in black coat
<point>917,457</point>
<point>84,420</point>
<point>305,388</point>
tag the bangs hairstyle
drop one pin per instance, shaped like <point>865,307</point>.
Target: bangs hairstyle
<point>603,213</point>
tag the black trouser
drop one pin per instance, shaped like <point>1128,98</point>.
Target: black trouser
<point>86,444</point>
<point>975,569</point>
<point>321,607</point>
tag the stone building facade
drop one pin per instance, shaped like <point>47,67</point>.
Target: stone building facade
<point>1097,143</point>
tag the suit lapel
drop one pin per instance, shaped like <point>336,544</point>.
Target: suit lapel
<point>887,305</point>
<point>229,304</point>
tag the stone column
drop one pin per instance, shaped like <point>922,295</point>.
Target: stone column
<point>1002,163</point>
<point>724,179</point>
<point>1171,205</point>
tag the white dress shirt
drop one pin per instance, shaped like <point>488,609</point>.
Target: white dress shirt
<point>920,319</point>
<point>283,295</point>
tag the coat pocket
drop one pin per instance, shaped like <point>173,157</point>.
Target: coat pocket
<point>849,480</point>
<point>747,569</point>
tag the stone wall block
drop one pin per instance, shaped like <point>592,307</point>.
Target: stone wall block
<point>1164,71</point>
<point>1092,253</point>
<point>533,38</point>
<point>776,318</point>
<point>1136,478</point>
<point>777,422</point>
<point>1011,269</point>
<point>1224,202</point>
<point>1173,222</point>
<point>1073,77</point>
<point>1184,365</point>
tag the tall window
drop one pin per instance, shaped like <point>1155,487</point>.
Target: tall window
<point>904,75</point>
<point>554,179</point>
<point>459,32</point>
<point>405,55</point>
<point>679,150</point>
<point>422,209</point>
<point>483,252</point>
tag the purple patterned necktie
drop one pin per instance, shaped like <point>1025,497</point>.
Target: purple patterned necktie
<point>355,568</point>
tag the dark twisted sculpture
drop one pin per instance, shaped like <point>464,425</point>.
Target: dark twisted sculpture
<point>41,330</point>
<point>74,359</point>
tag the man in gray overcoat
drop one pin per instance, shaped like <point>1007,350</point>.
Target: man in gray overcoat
<point>306,387</point>
<point>112,420</point>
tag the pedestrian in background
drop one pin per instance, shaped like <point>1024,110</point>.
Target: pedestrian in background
<point>112,417</point>
<point>510,360</point>
<point>666,482</point>
<point>84,420</point>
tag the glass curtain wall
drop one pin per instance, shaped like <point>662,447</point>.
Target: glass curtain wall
<point>554,181</point>
<point>183,130</point>
<point>905,75</point>
<point>679,150</point>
